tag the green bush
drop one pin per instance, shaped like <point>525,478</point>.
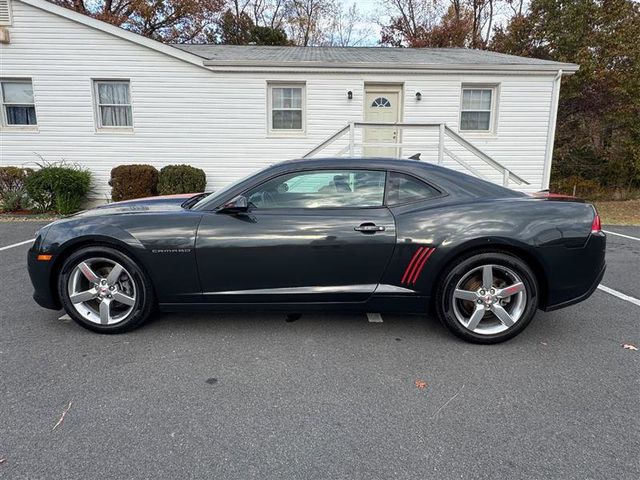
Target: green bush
<point>58,187</point>
<point>133,181</point>
<point>181,179</point>
<point>13,194</point>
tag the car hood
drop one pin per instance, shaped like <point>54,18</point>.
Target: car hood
<point>163,203</point>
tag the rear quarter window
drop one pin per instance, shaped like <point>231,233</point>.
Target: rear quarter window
<point>402,188</point>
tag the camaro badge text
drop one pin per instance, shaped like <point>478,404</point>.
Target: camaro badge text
<point>171,250</point>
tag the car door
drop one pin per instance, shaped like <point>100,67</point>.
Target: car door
<point>308,236</point>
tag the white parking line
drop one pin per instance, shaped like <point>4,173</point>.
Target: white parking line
<point>17,244</point>
<point>620,295</point>
<point>374,317</point>
<point>621,235</point>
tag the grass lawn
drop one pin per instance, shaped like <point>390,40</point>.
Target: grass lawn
<point>619,213</point>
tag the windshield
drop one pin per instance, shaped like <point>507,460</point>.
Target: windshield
<point>212,197</point>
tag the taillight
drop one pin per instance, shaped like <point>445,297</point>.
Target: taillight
<point>596,226</point>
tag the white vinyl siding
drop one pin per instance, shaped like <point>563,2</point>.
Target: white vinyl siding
<point>477,111</point>
<point>286,108</point>
<point>18,105</point>
<point>219,121</point>
<point>113,104</point>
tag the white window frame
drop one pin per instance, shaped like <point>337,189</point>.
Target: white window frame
<point>6,20</point>
<point>96,106</point>
<point>283,132</point>
<point>5,121</point>
<point>493,112</point>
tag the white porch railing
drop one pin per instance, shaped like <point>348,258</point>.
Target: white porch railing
<point>357,142</point>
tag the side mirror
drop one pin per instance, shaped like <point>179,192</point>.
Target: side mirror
<point>238,205</point>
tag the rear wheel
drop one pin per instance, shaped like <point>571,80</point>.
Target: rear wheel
<point>487,297</point>
<point>103,289</point>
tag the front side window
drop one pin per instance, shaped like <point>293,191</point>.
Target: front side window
<point>403,188</point>
<point>286,105</point>
<point>321,189</point>
<point>18,106</point>
<point>477,109</point>
<point>113,99</point>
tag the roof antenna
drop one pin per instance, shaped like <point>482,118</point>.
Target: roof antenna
<point>415,156</point>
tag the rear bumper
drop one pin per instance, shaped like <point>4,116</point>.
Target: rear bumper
<point>579,298</point>
<point>575,273</point>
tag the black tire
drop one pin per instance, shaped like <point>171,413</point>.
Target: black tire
<point>144,298</point>
<point>444,299</point>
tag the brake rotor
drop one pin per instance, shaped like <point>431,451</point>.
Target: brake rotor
<point>474,284</point>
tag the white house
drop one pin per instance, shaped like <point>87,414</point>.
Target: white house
<point>78,89</point>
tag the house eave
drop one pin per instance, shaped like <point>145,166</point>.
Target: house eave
<point>239,65</point>
<point>566,69</point>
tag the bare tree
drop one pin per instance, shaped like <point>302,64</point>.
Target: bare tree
<point>347,28</point>
<point>410,20</point>
<point>307,20</point>
<point>164,20</point>
<point>269,13</point>
<point>440,23</point>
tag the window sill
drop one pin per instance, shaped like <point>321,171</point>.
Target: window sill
<point>285,134</point>
<point>115,131</point>
<point>478,134</point>
<point>19,129</point>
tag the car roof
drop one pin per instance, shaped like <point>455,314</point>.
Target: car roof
<point>457,185</point>
<point>443,177</point>
<point>352,161</point>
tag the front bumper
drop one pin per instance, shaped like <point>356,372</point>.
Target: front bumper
<point>45,292</point>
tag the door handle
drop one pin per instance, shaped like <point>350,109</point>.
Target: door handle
<point>369,228</point>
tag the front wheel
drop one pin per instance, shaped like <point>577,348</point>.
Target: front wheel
<point>103,289</point>
<point>487,297</point>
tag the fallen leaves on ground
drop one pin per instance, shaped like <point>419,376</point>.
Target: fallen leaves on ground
<point>628,346</point>
<point>2,460</point>
<point>421,384</point>
<point>64,413</point>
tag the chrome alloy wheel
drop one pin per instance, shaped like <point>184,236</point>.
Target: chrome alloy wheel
<point>489,299</point>
<point>102,291</point>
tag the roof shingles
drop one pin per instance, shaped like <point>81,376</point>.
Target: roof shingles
<point>268,55</point>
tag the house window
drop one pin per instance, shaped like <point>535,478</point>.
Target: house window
<point>113,104</point>
<point>5,12</point>
<point>478,109</point>
<point>286,108</point>
<point>18,106</point>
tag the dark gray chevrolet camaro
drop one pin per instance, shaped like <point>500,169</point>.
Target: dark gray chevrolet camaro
<point>374,235</point>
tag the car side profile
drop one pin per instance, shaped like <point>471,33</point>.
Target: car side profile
<point>370,235</point>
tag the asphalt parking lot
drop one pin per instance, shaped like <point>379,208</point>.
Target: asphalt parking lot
<point>244,396</point>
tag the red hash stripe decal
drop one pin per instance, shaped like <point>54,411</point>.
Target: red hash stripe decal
<point>414,269</point>
<point>421,265</point>
<point>411,263</point>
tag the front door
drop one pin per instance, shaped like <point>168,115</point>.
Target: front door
<point>311,236</point>
<point>382,105</point>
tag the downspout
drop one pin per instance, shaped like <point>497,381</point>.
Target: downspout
<point>551,132</point>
